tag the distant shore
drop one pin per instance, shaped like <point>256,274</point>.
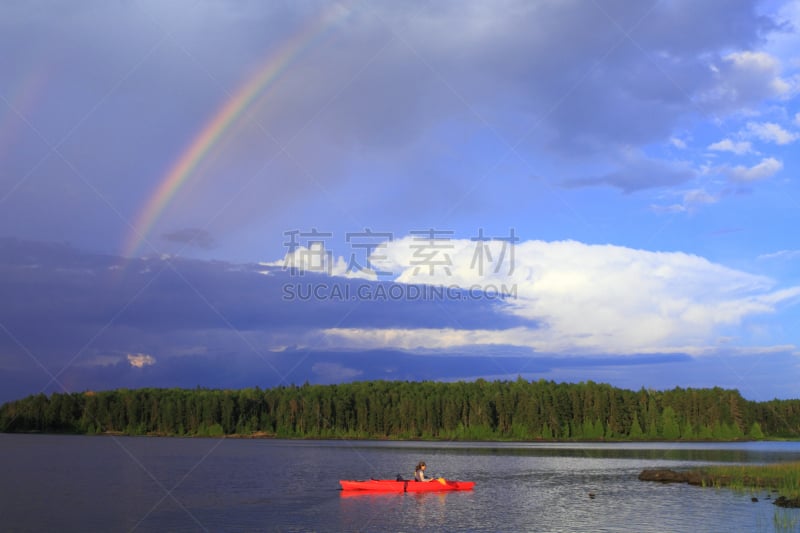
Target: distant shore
<point>266,435</point>
<point>497,411</point>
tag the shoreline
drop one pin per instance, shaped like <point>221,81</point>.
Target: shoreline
<point>772,478</point>
<point>265,435</point>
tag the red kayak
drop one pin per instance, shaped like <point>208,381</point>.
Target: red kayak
<point>390,485</point>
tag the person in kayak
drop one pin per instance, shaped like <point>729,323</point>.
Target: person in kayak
<point>419,473</point>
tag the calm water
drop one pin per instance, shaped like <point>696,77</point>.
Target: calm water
<point>68,483</point>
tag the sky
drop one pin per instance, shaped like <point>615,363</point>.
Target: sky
<point>231,194</point>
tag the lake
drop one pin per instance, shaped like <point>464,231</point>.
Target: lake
<point>77,483</point>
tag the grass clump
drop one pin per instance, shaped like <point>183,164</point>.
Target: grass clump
<point>784,478</point>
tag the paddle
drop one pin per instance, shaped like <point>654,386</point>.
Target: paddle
<point>439,478</point>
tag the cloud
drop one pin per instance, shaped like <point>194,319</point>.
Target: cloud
<point>787,255</point>
<point>561,297</point>
<point>777,376</point>
<point>744,79</point>
<point>380,90</point>
<point>216,324</point>
<point>315,258</point>
<point>727,145</point>
<point>334,372</point>
<point>181,308</point>
<point>696,197</point>
<point>591,298</point>
<point>768,167</point>
<point>101,360</point>
<point>141,360</point>
<point>191,237</point>
<point>638,173</point>
<point>680,144</point>
<point>771,132</point>
<point>691,200</point>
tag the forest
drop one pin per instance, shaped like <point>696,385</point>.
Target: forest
<point>479,410</point>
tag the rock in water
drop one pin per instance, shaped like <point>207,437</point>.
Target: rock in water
<point>783,501</point>
<point>664,475</point>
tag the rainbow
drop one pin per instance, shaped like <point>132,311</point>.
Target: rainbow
<point>221,121</point>
<point>19,101</point>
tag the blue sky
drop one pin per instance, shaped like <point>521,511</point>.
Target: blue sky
<point>630,167</point>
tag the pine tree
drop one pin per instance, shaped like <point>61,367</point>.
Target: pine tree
<point>636,430</point>
<point>755,431</point>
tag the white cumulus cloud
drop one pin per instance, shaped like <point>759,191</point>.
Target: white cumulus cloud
<point>771,132</point>
<point>745,78</point>
<point>316,258</point>
<point>765,169</point>
<point>691,200</point>
<point>727,145</point>
<point>677,143</point>
<point>141,360</point>
<point>578,298</point>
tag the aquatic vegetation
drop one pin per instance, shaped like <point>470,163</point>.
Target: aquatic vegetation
<point>785,520</point>
<point>783,478</point>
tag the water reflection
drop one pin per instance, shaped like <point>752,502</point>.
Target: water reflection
<point>737,452</point>
<point>363,511</point>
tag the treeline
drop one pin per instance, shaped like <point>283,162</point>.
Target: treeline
<point>477,410</point>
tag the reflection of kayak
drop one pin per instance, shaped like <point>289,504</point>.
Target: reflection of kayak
<point>390,485</point>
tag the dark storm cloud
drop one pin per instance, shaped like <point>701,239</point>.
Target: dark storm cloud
<point>76,319</point>
<point>593,74</point>
<point>61,304</point>
<point>120,90</point>
<point>239,370</point>
<point>640,173</point>
<point>191,237</point>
